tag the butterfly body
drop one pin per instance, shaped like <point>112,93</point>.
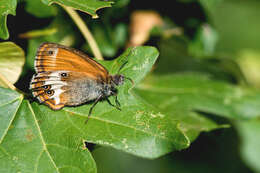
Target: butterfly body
<point>68,77</point>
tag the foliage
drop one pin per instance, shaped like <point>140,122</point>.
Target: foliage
<point>195,92</point>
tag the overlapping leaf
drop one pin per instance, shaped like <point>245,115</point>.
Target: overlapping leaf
<point>248,132</point>
<point>197,92</point>
<point>25,147</point>
<point>6,7</point>
<point>9,104</point>
<point>88,6</point>
<point>11,61</point>
<point>38,9</point>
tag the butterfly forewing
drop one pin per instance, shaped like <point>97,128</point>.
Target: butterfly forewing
<point>54,57</point>
<point>59,71</point>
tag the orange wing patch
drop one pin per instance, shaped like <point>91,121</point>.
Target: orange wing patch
<point>54,57</point>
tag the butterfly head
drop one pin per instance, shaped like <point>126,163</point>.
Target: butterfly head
<point>118,79</point>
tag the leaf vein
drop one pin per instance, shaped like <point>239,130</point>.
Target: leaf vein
<point>41,137</point>
<point>123,125</point>
<point>6,131</point>
<point>72,123</point>
<point>37,161</point>
<point>17,98</point>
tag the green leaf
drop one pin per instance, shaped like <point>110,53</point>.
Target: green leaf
<point>249,132</point>
<point>9,103</point>
<point>165,92</point>
<point>233,30</point>
<point>204,43</point>
<point>198,92</point>
<point>11,61</point>
<point>121,3</point>
<point>109,39</point>
<point>176,58</point>
<point>211,152</point>
<point>6,7</point>
<point>38,9</point>
<point>249,63</point>
<point>28,146</point>
<point>210,5</point>
<point>39,33</point>
<point>88,6</point>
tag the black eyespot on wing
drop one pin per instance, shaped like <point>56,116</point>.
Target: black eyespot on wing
<point>46,87</point>
<point>49,92</point>
<point>50,52</point>
<point>64,74</point>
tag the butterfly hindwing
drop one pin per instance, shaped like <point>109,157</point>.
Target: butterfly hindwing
<point>48,88</point>
<point>62,88</point>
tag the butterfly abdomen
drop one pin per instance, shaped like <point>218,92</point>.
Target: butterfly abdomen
<point>81,91</point>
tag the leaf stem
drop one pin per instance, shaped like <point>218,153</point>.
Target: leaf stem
<point>7,83</point>
<point>85,31</point>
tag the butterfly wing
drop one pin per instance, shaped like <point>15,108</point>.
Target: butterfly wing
<point>63,74</point>
<point>47,88</point>
<point>55,57</point>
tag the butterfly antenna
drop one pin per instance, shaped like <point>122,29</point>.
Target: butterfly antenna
<point>131,80</point>
<point>124,62</point>
<point>123,66</point>
<point>120,68</point>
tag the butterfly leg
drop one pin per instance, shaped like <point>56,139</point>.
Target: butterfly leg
<point>117,102</point>
<point>116,106</point>
<point>94,104</point>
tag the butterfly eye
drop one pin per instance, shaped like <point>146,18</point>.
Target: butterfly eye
<point>49,92</point>
<point>64,74</point>
<point>46,87</point>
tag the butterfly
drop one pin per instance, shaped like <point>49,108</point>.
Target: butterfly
<point>68,77</point>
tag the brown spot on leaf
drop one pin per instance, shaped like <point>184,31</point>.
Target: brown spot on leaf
<point>29,135</point>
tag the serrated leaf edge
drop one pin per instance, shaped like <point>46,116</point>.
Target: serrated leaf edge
<point>94,15</point>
